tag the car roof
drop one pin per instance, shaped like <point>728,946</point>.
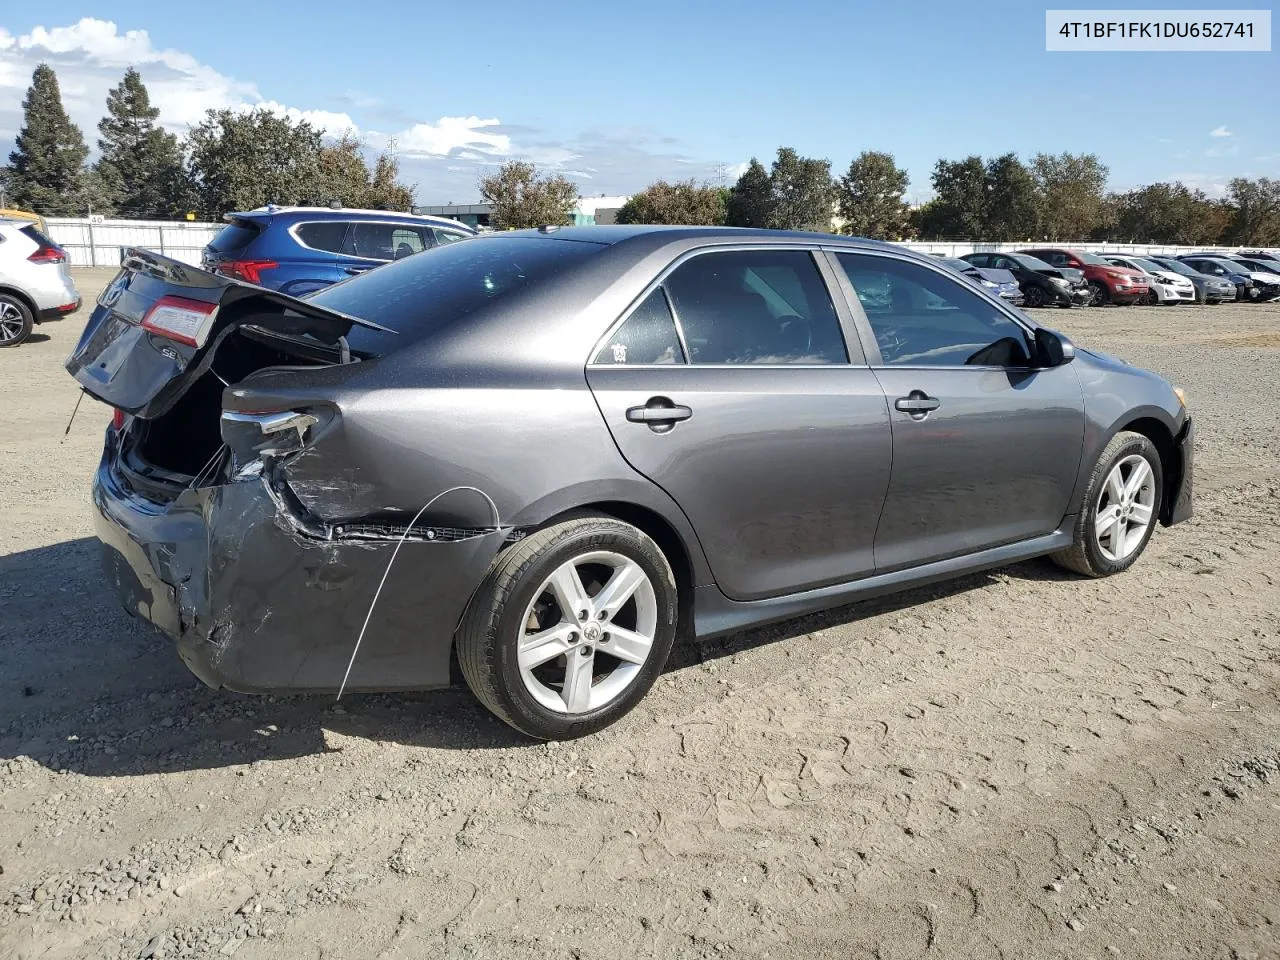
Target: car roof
<point>344,213</point>
<point>614,234</point>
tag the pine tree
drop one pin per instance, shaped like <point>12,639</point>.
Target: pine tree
<point>751,200</point>
<point>141,165</point>
<point>47,166</point>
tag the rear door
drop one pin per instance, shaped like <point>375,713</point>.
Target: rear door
<point>730,385</point>
<point>371,243</point>
<point>986,446</point>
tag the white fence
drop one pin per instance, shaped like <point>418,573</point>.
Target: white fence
<point>91,244</point>
<point>98,244</point>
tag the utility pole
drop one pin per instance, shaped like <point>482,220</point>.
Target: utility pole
<point>720,171</point>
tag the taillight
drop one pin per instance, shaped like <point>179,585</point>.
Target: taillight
<point>269,433</point>
<point>250,271</point>
<point>117,419</point>
<point>180,319</point>
<point>47,254</point>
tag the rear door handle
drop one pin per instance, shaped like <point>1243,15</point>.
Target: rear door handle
<point>659,413</point>
<point>355,270</point>
<point>918,404</point>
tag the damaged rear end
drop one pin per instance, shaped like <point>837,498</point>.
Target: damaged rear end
<point>204,532</point>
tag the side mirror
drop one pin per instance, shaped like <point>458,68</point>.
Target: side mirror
<point>1054,349</point>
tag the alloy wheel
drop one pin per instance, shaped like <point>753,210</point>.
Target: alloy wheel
<point>588,632</point>
<point>1125,508</point>
<point>11,323</point>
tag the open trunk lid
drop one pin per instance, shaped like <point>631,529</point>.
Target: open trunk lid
<point>157,326</point>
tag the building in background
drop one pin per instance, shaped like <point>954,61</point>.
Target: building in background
<point>588,211</point>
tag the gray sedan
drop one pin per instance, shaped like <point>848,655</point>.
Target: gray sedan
<point>531,460</point>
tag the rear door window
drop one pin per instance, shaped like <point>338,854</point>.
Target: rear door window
<point>326,235</point>
<point>422,294</point>
<point>648,336</point>
<point>384,241</point>
<point>756,306</point>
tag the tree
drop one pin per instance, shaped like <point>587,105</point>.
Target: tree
<point>141,165</point>
<point>1256,220</point>
<point>870,196</point>
<point>803,192</point>
<point>47,165</point>
<point>959,211</point>
<point>1011,200</point>
<point>1166,213</point>
<point>1072,194</point>
<point>523,198</point>
<point>751,199</point>
<point>241,160</point>
<point>684,202</point>
<point>386,192</point>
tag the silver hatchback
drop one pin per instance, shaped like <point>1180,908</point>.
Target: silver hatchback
<point>35,281</point>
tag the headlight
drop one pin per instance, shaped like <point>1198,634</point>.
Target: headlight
<point>1059,281</point>
<point>1181,395</point>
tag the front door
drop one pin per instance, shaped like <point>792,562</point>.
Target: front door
<point>752,418</point>
<point>986,446</point>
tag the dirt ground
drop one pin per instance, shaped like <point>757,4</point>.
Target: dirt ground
<point>1017,764</point>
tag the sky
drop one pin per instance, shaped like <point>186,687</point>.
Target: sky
<point>616,95</point>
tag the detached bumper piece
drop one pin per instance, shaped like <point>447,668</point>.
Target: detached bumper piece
<point>257,605</point>
<point>1180,490</point>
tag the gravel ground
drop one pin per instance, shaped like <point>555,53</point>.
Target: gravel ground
<point>1017,764</point>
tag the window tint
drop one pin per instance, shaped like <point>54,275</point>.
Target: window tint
<point>979,259</point>
<point>447,236</point>
<point>767,306</point>
<point>234,236</point>
<point>324,235</point>
<point>420,294</point>
<point>647,336</point>
<point>384,241</point>
<point>922,318</point>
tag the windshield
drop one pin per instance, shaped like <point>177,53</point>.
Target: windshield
<point>1147,265</point>
<point>1030,262</point>
<point>1177,266</point>
<point>429,290</point>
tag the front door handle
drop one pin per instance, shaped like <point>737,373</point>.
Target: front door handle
<point>354,270</point>
<point>918,404</point>
<point>659,413</point>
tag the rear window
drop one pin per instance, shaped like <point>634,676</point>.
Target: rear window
<point>34,233</point>
<point>440,286</point>
<point>234,236</point>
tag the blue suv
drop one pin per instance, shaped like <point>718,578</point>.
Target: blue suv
<point>297,250</point>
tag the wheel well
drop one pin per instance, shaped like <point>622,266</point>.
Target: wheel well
<point>662,533</point>
<point>1170,460</point>
<point>19,295</point>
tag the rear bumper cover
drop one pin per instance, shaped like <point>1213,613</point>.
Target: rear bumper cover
<point>57,313</point>
<point>255,605</point>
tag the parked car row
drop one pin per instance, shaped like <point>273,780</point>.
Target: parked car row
<point>1053,276</point>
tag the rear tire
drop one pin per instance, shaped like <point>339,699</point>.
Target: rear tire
<point>548,671</point>
<point>1114,524</point>
<point>16,320</point>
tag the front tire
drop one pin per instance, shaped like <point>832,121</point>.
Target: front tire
<point>570,628</point>
<point>15,321</point>
<point>1101,295</point>
<point>1120,509</point>
<point>1034,297</point>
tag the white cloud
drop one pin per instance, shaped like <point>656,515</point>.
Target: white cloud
<point>1221,131</point>
<point>91,55</point>
<point>731,174</point>
<point>450,134</point>
<point>334,124</point>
